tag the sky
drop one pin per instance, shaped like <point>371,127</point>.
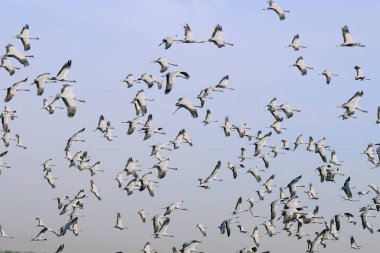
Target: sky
<point>106,40</point>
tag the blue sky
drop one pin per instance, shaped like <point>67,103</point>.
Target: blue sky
<point>107,40</point>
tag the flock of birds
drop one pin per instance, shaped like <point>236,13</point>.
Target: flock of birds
<point>288,208</point>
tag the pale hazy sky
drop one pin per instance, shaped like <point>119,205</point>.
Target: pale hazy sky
<point>106,40</point>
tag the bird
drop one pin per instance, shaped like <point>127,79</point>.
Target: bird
<point>255,172</point>
<point>25,37</point>
<point>40,82</point>
<point>189,247</point>
<point>12,51</point>
<point>208,119</point>
<point>328,74</point>
<point>119,222</point>
<point>238,208</point>
<point>94,190</point>
<point>168,41</point>
<point>223,83</point>
<point>38,237</point>
<point>11,91</point>
<point>347,189</point>
<point>334,160</point>
<point>352,104</point>
<point>276,8</point>
<point>234,168</point>
<point>63,72</point>
<point>293,186</point>
<point>132,124</point>
<point>60,248</point>
<point>288,110</point>
<point>170,78</point>
<point>188,105</point>
<point>296,43</point>
<point>129,80</point>
<point>359,74</point>
<point>69,99</point>
<point>189,38</point>
<point>214,174</point>
<point>150,131</point>
<point>102,124</point>
<point>277,126</point>
<point>301,66</point>
<point>268,184</point>
<point>49,177</point>
<point>202,228</point>
<point>164,63</point>
<point>140,102</point>
<point>150,80</point>
<point>174,206</point>
<point>74,137</point>
<point>19,142</point>
<point>353,243</point>
<point>378,115</point>
<point>142,214</point>
<point>7,65</point>
<point>347,39</point>
<point>50,107</point>
<point>217,37</point>
<point>3,234</point>
<point>311,192</point>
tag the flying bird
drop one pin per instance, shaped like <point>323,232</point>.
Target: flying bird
<point>11,91</point>
<point>347,39</point>
<point>276,8</point>
<point>7,65</point>
<point>69,99</point>
<point>25,37</point>
<point>328,74</point>
<point>301,66</point>
<point>360,74</point>
<point>296,43</point>
<point>12,51</point>
<point>63,73</point>
<point>217,37</point>
<point>188,105</point>
<point>170,78</point>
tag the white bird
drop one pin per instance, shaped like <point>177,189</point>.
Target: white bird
<point>164,63</point>
<point>163,228</point>
<point>94,190</point>
<point>378,115</point>
<point>352,104</point>
<point>6,138</point>
<point>255,172</point>
<point>50,179</point>
<point>63,72</point>
<point>148,249</point>
<point>189,247</point>
<point>227,127</point>
<point>360,74</point>
<point>12,51</point>
<point>120,179</point>
<point>202,228</point>
<point>301,66</point>
<point>268,184</point>
<point>328,74</point>
<point>168,41</point>
<point>38,237</point>
<point>19,142</point>
<point>188,105</point>
<point>129,80</point>
<point>170,78</point>
<point>353,243</point>
<point>69,99</point>
<point>7,65</point>
<point>311,193</point>
<point>50,107</point>
<point>296,43</point>
<point>277,126</point>
<point>347,39</point>
<point>25,37</point>
<point>119,222</point>
<point>102,124</point>
<point>150,80</point>
<point>163,166</point>
<point>234,168</point>
<point>223,83</point>
<point>3,234</point>
<point>334,158</point>
<point>142,215</point>
<point>208,119</point>
<point>132,124</point>
<point>189,37</point>
<point>140,102</point>
<point>255,236</point>
<point>238,208</point>
<point>74,137</point>
<point>95,168</point>
<point>276,8</point>
<point>174,206</point>
<point>150,131</point>
<point>40,82</point>
<point>108,133</point>
<point>261,143</point>
<point>217,37</point>
<point>288,110</point>
<point>212,177</point>
<point>131,167</point>
<point>11,91</point>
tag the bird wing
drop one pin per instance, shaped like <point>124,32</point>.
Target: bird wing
<point>62,74</point>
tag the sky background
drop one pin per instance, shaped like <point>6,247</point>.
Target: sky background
<point>107,40</point>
